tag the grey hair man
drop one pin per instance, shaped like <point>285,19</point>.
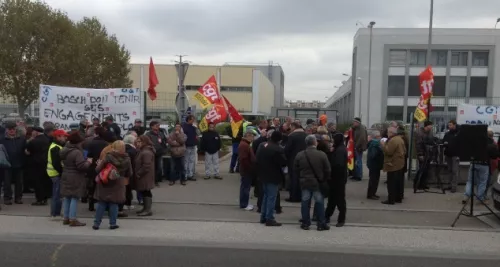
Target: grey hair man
<point>394,163</point>
<point>129,139</point>
<point>313,169</point>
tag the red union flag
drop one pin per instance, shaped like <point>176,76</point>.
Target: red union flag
<point>208,93</point>
<point>350,151</point>
<point>215,115</point>
<point>426,79</point>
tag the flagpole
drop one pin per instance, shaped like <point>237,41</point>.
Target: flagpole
<point>143,95</point>
<point>429,51</point>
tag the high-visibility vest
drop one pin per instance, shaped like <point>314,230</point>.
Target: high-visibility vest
<point>50,169</point>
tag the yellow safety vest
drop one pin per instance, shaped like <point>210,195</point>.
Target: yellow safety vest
<point>50,169</point>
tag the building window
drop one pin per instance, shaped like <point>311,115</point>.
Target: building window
<point>457,86</point>
<point>417,58</point>
<point>192,87</point>
<point>396,86</point>
<point>236,89</point>
<point>439,58</point>
<point>459,58</point>
<point>394,113</point>
<point>480,59</point>
<point>439,88</point>
<point>478,86</point>
<point>413,86</point>
<point>397,58</point>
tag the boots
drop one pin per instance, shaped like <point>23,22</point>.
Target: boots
<point>148,202</point>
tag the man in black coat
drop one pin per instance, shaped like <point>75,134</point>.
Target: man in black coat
<point>295,144</point>
<point>15,146</point>
<point>38,149</point>
<point>211,144</point>
<point>270,161</point>
<point>113,127</point>
<point>451,152</point>
<point>338,163</point>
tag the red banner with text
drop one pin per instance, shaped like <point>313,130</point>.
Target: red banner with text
<point>426,79</point>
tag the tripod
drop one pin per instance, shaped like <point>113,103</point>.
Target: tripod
<point>470,212</point>
<point>424,170</point>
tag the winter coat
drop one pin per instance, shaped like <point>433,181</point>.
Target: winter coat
<point>73,181</point>
<point>15,149</point>
<point>375,157</point>
<point>423,139</point>
<point>360,136</point>
<point>177,142</point>
<point>144,165</point>
<point>39,149</point>
<point>191,133</point>
<point>4,157</point>
<point>246,158</point>
<point>451,145</point>
<point>159,141</point>
<point>114,190</point>
<point>304,170</point>
<point>270,162</point>
<point>394,154</point>
<point>338,163</point>
<point>210,142</point>
<point>296,142</point>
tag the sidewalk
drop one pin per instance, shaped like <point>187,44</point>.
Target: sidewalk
<point>217,201</point>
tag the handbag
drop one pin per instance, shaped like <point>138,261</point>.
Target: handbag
<point>108,173</point>
<point>324,188</point>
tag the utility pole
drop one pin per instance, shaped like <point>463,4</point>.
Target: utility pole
<point>429,51</point>
<point>181,100</point>
<point>369,75</point>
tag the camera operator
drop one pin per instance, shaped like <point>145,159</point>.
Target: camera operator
<point>451,153</point>
<point>424,146</point>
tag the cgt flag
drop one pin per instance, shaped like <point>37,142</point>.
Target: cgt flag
<point>208,94</point>
<point>426,79</point>
<point>236,118</point>
<point>350,151</point>
<point>215,115</point>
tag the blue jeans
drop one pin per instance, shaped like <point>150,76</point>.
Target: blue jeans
<point>190,161</point>
<point>481,174</point>
<point>70,206</point>
<point>112,213</point>
<point>245,186</point>
<point>270,192</point>
<point>358,165</point>
<point>319,206</point>
<point>56,203</point>
<point>234,156</point>
<point>178,169</point>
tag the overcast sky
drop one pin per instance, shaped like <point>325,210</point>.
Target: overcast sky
<point>310,39</point>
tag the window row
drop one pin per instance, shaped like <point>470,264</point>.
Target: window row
<point>457,86</point>
<point>223,88</point>
<point>439,58</point>
<point>395,113</point>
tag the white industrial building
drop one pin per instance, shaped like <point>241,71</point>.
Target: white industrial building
<point>464,65</point>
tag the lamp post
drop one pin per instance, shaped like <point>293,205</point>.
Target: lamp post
<point>359,91</point>
<point>372,23</point>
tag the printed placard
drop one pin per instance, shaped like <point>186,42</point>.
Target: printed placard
<point>66,105</point>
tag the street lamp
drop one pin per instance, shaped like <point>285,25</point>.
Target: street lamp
<point>359,91</point>
<point>345,74</point>
<point>372,23</point>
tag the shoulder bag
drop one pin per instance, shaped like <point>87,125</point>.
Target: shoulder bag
<point>324,188</point>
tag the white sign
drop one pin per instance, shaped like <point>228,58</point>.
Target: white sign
<point>66,105</point>
<point>474,114</point>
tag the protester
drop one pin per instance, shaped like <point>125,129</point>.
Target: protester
<point>159,141</point>
<point>263,124</point>
<point>191,142</point>
<point>338,180</point>
<point>96,146</point>
<point>110,192</point>
<point>177,141</point>
<point>246,160</point>
<point>37,149</point>
<point>360,137</point>
<point>450,142</point>
<point>144,177</point>
<point>332,129</point>
<point>394,157</point>
<point>323,119</point>
<point>129,141</point>
<point>138,128</point>
<point>294,145</point>
<point>270,160</point>
<point>424,142</point>
<point>211,144</point>
<point>313,169</point>
<point>375,163</point>
<point>55,170</point>
<point>15,146</point>
<point>113,127</point>
<point>73,181</point>
<point>235,142</point>
<point>275,124</point>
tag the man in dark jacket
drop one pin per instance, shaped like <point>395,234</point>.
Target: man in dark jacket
<point>138,128</point>
<point>313,168</point>
<point>37,149</point>
<point>15,146</point>
<point>246,160</point>
<point>338,163</point>
<point>375,163</point>
<point>191,144</point>
<point>270,161</point>
<point>113,127</point>
<point>360,137</point>
<point>159,141</point>
<point>295,144</point>
<point>211,144</point>
<point>451,152</point>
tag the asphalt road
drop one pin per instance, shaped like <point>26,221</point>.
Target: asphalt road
<point>90,254</point>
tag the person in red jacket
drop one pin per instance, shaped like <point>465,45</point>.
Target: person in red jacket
<point>246,161</point>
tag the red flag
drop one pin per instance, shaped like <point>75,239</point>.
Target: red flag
<point>426,80</point>
<point>236,118</point>
<point>153,80</point>
<point>350,150</point>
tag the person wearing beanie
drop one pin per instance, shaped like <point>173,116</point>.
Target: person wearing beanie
<point>360,138</point>
<point>73,181</point>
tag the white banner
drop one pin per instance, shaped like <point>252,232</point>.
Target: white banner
<point>474,114</point>
<point>66,105</point>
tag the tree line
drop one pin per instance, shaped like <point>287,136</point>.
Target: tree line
<point>42,45</point>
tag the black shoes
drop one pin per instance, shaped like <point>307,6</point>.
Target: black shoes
<point>374,197</point>
<point>387,202</point>
<point>39,203</point>
<point>273,223</point>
